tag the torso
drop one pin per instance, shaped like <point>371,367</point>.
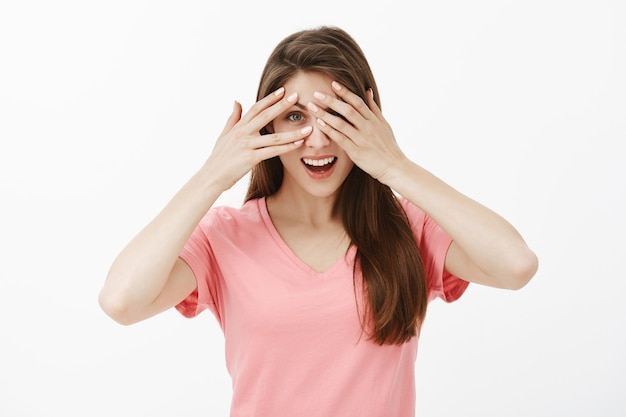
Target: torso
<point>294,338</point>
<point>318,246</point>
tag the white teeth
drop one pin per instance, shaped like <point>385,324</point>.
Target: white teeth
<point>319,162</point>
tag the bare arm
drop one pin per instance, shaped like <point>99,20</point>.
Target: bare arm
<point>148,277</point>
<point>486,249</point>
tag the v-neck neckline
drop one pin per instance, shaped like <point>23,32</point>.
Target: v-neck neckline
<point>344,261</point>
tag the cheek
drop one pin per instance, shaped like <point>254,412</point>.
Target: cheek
<point>344,165</point>
<point>348,168</point>
<point>344,157</point>
<point>290,158</point>
<point>348,164</point>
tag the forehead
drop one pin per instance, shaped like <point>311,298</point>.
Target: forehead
<point>303,82</point>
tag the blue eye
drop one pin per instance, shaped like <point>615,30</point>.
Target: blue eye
<point>295,117</point>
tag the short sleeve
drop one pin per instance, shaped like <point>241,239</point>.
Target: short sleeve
<point>433,243</point>
<point>198,254</point>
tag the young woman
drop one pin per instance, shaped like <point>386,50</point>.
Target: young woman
<point>321,280</point>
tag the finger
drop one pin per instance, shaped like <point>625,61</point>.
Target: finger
<point>280,139</point>
<point>272,151</point>
<point>372,104</point>
<point>335,108</point>
<point>234,117</point>
<point>282,143</point>
<point>338,122</point>
<point>336,136</point>
<point>263,104</point>
<point>269,114</point>
<point>352,99</point>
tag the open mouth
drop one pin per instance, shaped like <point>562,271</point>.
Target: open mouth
<point>319,165</point>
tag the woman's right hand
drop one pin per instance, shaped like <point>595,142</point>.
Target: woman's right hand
<point>240,146</point>
<point>148,276</point>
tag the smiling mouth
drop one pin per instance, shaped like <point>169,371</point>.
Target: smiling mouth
<point>319,165</point>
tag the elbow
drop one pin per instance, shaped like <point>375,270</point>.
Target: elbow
<point>115,307</point>
<point>522,271</point>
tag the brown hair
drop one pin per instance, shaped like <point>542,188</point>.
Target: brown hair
<point>387,252</point>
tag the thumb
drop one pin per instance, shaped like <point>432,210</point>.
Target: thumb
<point>234,117</point>
<point>371,103</point>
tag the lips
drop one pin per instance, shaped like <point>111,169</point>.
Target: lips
<point>319,165</point>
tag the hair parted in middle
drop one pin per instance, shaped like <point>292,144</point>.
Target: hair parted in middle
<point>394,281</point>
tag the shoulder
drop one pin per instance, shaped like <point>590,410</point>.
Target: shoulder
<point>227,219</point>
<point>250,211</point>
<point>415,215</point>
<point>426,230</point>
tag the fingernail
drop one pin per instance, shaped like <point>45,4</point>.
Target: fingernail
<point>299,142</point>
<point>319,95</point>
<point>279,91</point>
<point>292,97</point>
<point>336,85</point>
<point>313,107</point>
<point>306,130</point>
<point>321,122</point>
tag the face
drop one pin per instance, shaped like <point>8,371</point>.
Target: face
<point>319,166</point>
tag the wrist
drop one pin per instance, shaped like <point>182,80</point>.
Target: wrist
<point>216,177</point>
<point>206,185</point>
<point>398,174</point>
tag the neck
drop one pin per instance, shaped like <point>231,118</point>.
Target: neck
<point>303,208</point>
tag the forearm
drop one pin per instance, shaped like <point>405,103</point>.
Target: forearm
<point>492,244</point>
<point>143,278</point>
<point>141,270</point>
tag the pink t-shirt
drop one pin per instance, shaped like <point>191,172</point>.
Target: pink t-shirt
<point>294,343</point>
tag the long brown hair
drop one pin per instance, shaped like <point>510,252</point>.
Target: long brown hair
<point>393,274</point>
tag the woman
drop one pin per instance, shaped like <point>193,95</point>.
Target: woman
<point>321,280</point>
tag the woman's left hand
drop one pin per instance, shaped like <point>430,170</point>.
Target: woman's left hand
<point>361,131</point>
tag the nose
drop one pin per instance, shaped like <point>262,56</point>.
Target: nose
<point>317,139</point>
